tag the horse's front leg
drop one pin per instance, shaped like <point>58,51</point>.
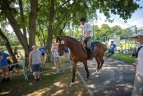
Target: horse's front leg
<point>73,70</point>
<point>86,68</point>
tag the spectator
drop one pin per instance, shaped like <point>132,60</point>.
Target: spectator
<point>111,49</point>
<point>4,65</point>
<point>138,83</point>
<point>35,59</point>
<point>42,49</point>
<point>54,50</point>
<point>15,51</point>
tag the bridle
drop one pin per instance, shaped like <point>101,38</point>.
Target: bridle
<point>61,44</point>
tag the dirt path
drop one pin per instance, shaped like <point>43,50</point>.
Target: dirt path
<point>116,79</point>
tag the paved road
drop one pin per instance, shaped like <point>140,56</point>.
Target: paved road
<point>116,78</point>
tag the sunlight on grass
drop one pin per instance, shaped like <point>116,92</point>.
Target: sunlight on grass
<point>79,93</point>
<point>4,93</point>
<point>58,93</point>
<point>38,92</point>
<point>52,84</point>
<point>59,84</point>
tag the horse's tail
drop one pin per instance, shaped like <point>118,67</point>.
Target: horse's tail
<point>101,48</point>
<point>105,47</point>
<point>100,45</point>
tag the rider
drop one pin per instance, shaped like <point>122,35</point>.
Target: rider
<point>87,33</point>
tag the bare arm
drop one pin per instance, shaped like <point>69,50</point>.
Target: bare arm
<point>52,49</point>
<point>41,58</point>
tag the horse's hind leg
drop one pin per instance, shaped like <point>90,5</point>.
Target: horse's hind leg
<point>98,64</point>
<point>73,70</point>
<point>101,62</point>
<point>86,68</point>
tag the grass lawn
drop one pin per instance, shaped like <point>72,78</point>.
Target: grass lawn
<point>52,84</point>
<point>125,57</point>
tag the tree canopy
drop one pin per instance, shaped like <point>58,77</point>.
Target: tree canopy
<point>49,18</point>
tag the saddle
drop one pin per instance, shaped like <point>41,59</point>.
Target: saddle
<point>92,47</point>
<point>90,50</point>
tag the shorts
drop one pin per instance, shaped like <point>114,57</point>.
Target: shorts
<point>36,68</point>
<point>42,54</point>
<point>15,53</point>
<point>56,58</point>
<point>110,51</point>
<point>3,65</point>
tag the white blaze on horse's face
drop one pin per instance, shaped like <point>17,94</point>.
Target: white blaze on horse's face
<point>62,42</point>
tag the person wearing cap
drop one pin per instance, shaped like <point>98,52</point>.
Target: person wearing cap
<point>87,33</point>
<point>35,59</point>
<point>4,65</point>
<point>138,82</point>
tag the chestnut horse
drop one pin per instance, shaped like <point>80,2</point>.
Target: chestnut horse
<point>79,54</point>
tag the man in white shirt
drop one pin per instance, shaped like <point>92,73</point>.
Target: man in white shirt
<point>87,33</point>
<point>138,83</point>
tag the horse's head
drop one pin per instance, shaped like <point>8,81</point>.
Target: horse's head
<point>61,45</point>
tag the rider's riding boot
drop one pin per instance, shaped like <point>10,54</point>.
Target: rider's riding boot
<point>89,53</point>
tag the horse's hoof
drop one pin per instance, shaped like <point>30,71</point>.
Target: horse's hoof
<point>72,83</point>
<point>97,72</point>
<point>87,77</point>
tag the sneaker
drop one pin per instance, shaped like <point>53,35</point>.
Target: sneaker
<point>39,79</point>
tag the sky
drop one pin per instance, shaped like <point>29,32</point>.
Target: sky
<point>136,19</point>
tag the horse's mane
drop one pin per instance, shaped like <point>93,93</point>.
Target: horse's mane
<point>75,41</point>
<point>71,38</point>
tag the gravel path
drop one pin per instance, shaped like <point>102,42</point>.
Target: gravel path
<point>116,78</point>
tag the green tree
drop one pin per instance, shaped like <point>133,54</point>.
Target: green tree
<point>117,30</point>
<point>7,11</point>
<point>97,32</point>
<point>105,32</point>
<point>53,16</point>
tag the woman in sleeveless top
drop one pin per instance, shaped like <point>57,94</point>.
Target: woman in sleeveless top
<point>55,54</point>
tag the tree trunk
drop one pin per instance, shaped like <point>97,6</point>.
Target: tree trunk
<point>8,46</point>
<point>24,29</point>
<point>50,28</point>
<point>6,9</point>
<point>32,22</point>
<point>22,18</point>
